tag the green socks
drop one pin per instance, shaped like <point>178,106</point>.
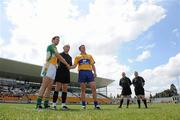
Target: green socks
<point>39,101</point>
<point>46,102</point>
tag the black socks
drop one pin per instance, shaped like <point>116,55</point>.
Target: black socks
<point>63,97</point>
<point>121,102</point>
<point>128,103</point>
<point>139,103</point>
<point>55,96</point>
<point>145,103</point>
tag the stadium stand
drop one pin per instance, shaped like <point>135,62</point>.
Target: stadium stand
<point>19,82</point>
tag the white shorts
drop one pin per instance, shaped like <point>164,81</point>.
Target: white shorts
<point>49,71</point>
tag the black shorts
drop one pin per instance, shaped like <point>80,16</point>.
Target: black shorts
<point>62,76</point>
<point>139,91</point>
<point>126,91</point>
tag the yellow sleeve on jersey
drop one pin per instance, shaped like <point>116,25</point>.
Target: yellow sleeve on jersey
<point>76,60</point>
<point>92,62</point>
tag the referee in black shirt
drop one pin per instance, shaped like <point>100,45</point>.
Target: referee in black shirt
<point>62,78</point>
<point>139,83</point>
<point>125,83</point>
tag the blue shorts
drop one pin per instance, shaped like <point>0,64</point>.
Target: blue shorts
<point>85,76</point>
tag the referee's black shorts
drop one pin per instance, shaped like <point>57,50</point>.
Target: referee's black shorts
<point>139,91</point>
<point>126,91</point>
<point>62,76</point>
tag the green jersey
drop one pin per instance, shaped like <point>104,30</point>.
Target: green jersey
<point>51,54</point>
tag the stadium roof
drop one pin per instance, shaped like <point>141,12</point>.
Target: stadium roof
<point>31,73</point>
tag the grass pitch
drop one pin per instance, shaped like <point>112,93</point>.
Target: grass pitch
<point>108,112</point>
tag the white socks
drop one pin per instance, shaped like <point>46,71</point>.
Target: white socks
<point>63,104</point>
<point>54,104</point>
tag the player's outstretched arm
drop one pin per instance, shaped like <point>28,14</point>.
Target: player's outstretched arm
<point>73,66</point>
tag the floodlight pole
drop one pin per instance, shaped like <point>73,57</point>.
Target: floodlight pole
<point>178,84</point>
<point>106,91</point>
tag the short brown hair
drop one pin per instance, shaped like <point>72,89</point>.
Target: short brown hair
<point>55,37</point>
<point>80,46</point>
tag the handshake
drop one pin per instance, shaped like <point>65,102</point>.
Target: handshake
<point>70,67</point>
<point>73,66</point>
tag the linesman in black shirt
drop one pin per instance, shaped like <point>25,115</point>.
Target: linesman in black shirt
<point>62,79</point>
<point>139,83</point>
<point>125,83</point>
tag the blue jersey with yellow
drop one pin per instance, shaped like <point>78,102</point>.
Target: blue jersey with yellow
<point>84,62</point>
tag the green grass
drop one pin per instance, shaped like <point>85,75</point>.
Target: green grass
<point>108,112</point>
